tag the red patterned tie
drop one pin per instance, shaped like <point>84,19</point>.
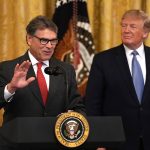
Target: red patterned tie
<point>42,83</point>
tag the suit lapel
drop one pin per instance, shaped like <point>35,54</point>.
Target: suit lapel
<point>54,80</point>
<point>52,88</point>
<point>51,83</point>
<point>125,71</point>
<point>147,83</point>
<point>33,85</point>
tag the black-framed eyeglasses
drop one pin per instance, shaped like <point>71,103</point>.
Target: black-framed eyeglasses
<point>44,41</point>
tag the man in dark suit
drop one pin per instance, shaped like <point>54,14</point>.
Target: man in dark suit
<point>20,92</point>
<point>111,90</point>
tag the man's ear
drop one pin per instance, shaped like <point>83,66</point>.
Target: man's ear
<point>28,39</point>
<point>145,35</point>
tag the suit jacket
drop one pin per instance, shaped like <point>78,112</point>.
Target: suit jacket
<point>27,101</point>
<point>110,92</point>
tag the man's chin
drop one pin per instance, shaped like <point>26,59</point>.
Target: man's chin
<point>127,42</point>
<point>47,57</point>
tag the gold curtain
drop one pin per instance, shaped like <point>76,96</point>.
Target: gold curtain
<point>14,16</point>
<point>104,17</point>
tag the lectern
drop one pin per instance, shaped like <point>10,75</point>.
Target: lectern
<point>39,132</point>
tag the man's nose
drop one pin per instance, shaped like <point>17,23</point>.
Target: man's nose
<point>49,45</point>
<point>127,29</point>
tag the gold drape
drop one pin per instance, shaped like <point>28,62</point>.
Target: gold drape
<point>14,17</point>
<point>104,19</point>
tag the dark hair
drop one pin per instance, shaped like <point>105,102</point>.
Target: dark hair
<point>39,23</point>
<point>139,14</point>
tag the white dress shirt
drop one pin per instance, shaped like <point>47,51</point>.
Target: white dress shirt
<point>140,58</point>
<point>45,64</point>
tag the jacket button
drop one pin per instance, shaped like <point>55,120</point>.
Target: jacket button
<point>141,108</point>
<point>45,113</point>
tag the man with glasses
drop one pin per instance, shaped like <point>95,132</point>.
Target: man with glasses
<point>26,90</point>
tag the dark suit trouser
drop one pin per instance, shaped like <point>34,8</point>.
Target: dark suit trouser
<point>141,147</point>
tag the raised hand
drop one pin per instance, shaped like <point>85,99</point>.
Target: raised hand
<point>19,78</point>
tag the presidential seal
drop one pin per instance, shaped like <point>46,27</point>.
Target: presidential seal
<point>71,129</point>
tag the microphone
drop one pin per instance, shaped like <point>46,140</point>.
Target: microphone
<point>53,70</point>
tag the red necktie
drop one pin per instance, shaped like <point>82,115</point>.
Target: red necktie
<point>42,83</point>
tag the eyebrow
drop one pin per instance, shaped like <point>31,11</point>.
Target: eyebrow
<point>47,38</point>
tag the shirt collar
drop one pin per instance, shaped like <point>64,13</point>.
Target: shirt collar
<point>34,61</point>
<point>140,50</point>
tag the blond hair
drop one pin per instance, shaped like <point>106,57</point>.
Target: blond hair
<point>139,14</point>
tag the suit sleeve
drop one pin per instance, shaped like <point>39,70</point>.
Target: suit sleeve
<point>3,82</point>
<point>74,99</point>
<point>95,89</point>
